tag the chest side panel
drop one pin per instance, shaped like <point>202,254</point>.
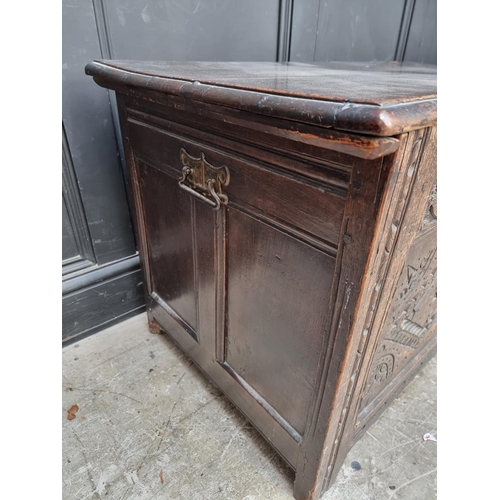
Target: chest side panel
<point>395,242</point>
<point>410,326</point>
<point>399,328</point>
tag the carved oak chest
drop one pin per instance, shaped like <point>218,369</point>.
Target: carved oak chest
<point>286,222</point>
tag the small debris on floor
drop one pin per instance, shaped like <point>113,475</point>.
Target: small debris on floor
<point>161,477</point>
<point>392,487</point>
<point>356,465</point>
<point>72,412</point>
<point>112,375</point>
<point>429,437</point>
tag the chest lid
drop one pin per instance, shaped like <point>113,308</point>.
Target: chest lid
<point>380,99</point>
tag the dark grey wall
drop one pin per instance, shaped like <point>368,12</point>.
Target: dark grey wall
<point>421,45</point>
<point>98,231</point>
<point>101,277</point>
<point>225,30</point>
<point>364,30</point>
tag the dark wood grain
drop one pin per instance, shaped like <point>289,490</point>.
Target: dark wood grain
<point>266,313</point>
<point>168,215</point>
<point>265,130</point>
<point>360,83</point>
<point>404,206</point>
<point>230,134</point>
<point>251,185</point>
<point>328,411</point>
<point>308,294</point>
<point>396,350</point>
<point>381,100</point>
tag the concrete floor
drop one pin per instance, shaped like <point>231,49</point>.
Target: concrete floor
<point>150,426</point>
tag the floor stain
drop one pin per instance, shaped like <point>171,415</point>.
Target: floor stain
<point>72,412</point>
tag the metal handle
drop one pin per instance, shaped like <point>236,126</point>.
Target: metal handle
<point>204,181</point>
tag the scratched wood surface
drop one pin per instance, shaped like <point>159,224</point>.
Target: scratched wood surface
<point>150,426</point>
<point>380,99</point>
<point>279,297</point>
<point>363,83</point>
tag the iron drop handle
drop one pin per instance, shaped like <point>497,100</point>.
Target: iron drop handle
<point>204,181</point>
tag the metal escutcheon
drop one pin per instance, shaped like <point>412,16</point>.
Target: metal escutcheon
<point>204,181</point>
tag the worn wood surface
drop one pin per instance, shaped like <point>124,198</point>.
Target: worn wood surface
<point>404,206</point>
<point>266,290</point>
<point>361,83</point>
<point>251,184</point>
<point>368,183</point>
<point>277,279</point>
<point>168,216</point>
<point>375,99</point>
<point>276,135</point>
<point>403,326</point>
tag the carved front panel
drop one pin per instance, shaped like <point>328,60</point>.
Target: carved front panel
<point>411,321</point>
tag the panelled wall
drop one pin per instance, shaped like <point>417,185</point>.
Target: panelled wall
<point>102,283</point>
<point>363,30</point>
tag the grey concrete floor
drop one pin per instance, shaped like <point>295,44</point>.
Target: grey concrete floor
<point>150,426</point>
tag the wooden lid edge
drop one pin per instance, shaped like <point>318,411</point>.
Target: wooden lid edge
<point>378,121</point>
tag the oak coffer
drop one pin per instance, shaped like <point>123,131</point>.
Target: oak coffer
<point>286,223</point>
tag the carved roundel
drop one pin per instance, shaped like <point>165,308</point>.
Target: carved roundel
<point>384,368</point>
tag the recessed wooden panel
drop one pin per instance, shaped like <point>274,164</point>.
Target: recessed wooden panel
<point>277,313</point>
<point>288,200</point>
<point>250,183</point>
<point>169,221</point>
